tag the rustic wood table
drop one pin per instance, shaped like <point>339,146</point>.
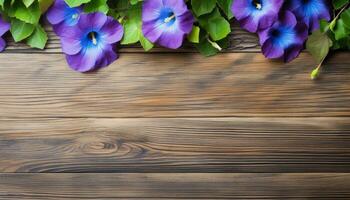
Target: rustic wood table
<point>174,125</point>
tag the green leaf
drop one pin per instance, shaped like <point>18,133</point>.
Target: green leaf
<point>201,7</point>
<point>29,15</point>
<point>97,6</point>
<point>2,2</point>
<point>218,28</point>
<point>146,44</point>
<point>216,25</point>
<point>27,3</point>
<point>205,48</point>
<point>225,6</point>
<point>134,2</point>
<point>209,48</point>
<point>133,27</point>
<point>340,30</point>
<point>38,39</point>
<point>21,30</point>
<point>337,4</point>
<point>318,45</point>
<point>194,35</point>
<point>324,25</point>
<point>75,3</point>
<point>345,16</point>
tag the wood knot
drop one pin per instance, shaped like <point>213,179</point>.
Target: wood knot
<point>98,147</point>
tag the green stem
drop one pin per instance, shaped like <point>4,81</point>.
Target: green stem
<point>336,17</point>
<point>316,71</point>
<point>214,44</point>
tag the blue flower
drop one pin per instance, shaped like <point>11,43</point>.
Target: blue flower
<point>255,15</point>
<point>285,38</point>
<point>60,14</point>
<point>166,22</point>
<point>91,44</point>
<point>310,11</point>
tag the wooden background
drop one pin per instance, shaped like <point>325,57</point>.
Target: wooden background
<point>174,125</point>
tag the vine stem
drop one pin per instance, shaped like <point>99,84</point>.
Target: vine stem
<point>214,44</point>
<point>337,16</point>
<point>317,70</point>
<point>342,10</point>
<point>320,65</point>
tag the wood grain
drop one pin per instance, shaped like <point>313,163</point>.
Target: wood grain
<point>174,85</point>
<point>175,186</point>
<point>240,41</point>
<point>168,123</point>
<point>175,145</point>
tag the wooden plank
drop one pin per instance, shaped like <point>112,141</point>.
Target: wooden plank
<point>175,145</point>
<point>240,41</point>
<point>175,186</point>
<point>168,85</point>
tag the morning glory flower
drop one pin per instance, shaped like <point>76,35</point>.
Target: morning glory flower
<point>60,14</point>
<point>285,39</point>
<point>255,15</point>
<point>4,27</point>
<point>310,11</point>
<point>91,43</point>
<point>166,22</point>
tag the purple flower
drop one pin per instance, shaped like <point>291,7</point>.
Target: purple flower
<point>90,44</point>
<point>285,39</point>
<point>4,27</point>
<point>255,15</point>
<point>310,11</point>
<point>166,22</point>
<point>60,14</point>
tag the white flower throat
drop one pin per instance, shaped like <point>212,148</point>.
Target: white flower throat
<point>257,4</point>
<point>168,19</point>
<point>75,16</point>
<point>92,36</point>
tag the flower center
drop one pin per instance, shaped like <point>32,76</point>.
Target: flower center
<point>168,19</point>
<point>257,4</point>
<point>75,16</point>
<point>71,16</point>
<point>275,33</point>
<point>282,36</point>
<point>167,16</point>
<point>92,37</point>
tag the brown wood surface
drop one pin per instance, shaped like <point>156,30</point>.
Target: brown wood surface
<point>174,125</point>
<point>175,186</point>
<point>175,145</point>
<point>174,85</point>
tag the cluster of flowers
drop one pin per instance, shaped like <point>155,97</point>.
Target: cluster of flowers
<point>282,25</point>
<point>89,39</point>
